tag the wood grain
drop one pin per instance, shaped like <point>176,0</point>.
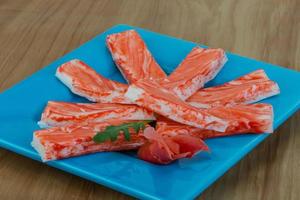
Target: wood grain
<point>35,32</point>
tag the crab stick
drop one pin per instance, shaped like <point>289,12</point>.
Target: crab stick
<point>247,89</point>
<point>62,113</point>
<point>86,82</point>
<point>132,57</point>
<point>198,67</point>
<point>77,139</point>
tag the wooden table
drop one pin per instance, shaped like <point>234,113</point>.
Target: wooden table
<point>34,33</point>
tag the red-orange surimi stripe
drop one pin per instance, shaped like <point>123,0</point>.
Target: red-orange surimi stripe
<point>86,82</point>
<point>249,88</point>
<point>132,57</point>
<point>257,77</point>
<point>135,62</point>
<point>77,139</point>
<point>148,94</point>
<point>255,118</point>
<point>62,113</point>
<point>244,90</point>
<point>198,67</point>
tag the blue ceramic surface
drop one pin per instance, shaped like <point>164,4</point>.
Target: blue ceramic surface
<point>21,107</point>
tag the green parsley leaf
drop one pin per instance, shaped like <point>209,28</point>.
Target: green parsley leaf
<point>112,132</point>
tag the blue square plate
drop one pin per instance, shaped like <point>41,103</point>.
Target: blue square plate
<point>21,107</point>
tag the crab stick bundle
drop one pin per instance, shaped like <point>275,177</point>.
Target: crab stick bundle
<point>86,82</point>
<point>199,67</point>
<point>132,57</point>
<point>244,90</point>
<point>148,94</point>
<point>62,113</point>
<point>135,62</point>
<point>77,139</point>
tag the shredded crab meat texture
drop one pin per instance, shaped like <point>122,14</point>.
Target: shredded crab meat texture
<point>162,94</point>
<point>77,139</point>
<point>218,119</point>
<point>165,103</point>
<point>247,89</point>
<point>255,118</point>
<point>197,68</point>
<point>257,77</point>
<point>62,113</point>
<point>200,66</point>
<point>132,56</point>
<point>231,84</point>
<point>135,62</point>
<point>86,82</point>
